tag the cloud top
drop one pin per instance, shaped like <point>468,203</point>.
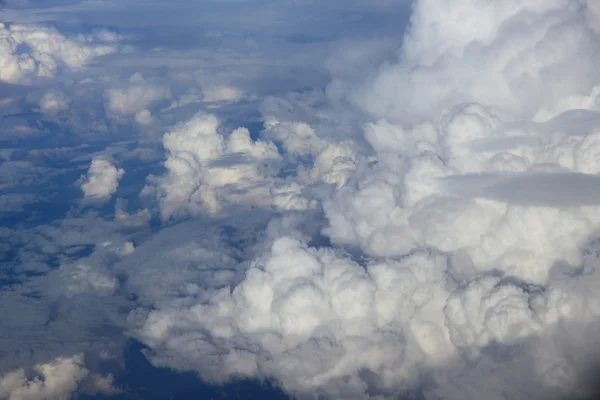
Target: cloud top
<point>102,179</point>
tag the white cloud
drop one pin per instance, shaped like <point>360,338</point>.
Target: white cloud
<point>436,234</point>
<point>202,164</point>
<point>135,98</point>
<point>102,179</point>
<point>517,56</point>
<point>57,380</point>
<point>28,52</point>
<point>144,117</point>
<point>458,245</point>
<point>221,94</point>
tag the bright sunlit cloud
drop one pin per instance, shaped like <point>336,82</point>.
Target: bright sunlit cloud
<point>351,200</point>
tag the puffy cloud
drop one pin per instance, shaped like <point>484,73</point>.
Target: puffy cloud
<point>517,56</point>
<point>135,98</point>
<point>311,311</point>
<point>144,117</point>
<point>57,380</point>
<point>331,161</point>
<point>459,250</point>
<point>28,52</point>
<point>102,179</point>
<point>437,234</point>
<point>315,321</point>
<point>207,170</point>
<point>81,278</point>
<point>403,201</point>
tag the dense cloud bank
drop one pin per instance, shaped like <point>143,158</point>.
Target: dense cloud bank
<point>477,226</point>
<point>426,225</point>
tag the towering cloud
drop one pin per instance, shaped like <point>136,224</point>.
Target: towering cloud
<point>458,257</point>
<point>426,226</point>
<point>524,58</point>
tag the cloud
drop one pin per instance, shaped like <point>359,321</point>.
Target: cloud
<point>29,52</point>
<point>135,98</point>
<point>58,379</point>
<point>324,321</point>
<point>517,57</point>
<point>53,102</point>
<point>458,245</point>
<point>426,225</point>
<point>202,164</point>
<point>102,179</point>
<point>307,308</point>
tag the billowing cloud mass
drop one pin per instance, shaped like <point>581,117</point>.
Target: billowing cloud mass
<point>462,256</point>
<point>30,52</point>
<point>135,98</point>
<point>425,226</point>
<point>530,59</point>
<point>202,165</point>
<point>102,179</point>
<point>56,380</point>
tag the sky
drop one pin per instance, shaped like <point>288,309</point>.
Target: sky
<point>299,199</point>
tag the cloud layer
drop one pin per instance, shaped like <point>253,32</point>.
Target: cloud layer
<point>459,229</point>
<point>425,225</point>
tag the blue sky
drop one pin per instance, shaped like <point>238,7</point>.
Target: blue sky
<point>299,199</point>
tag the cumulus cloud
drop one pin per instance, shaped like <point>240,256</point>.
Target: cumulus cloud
<point>221,94</point>
<point>28,52</point>
<point>459,249</point>
<point>135,98</point>
<point>102,179</point>
<point>55,380</point>
<point>518,57</point>
<point>207,170</point>
<point>426,226</point>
